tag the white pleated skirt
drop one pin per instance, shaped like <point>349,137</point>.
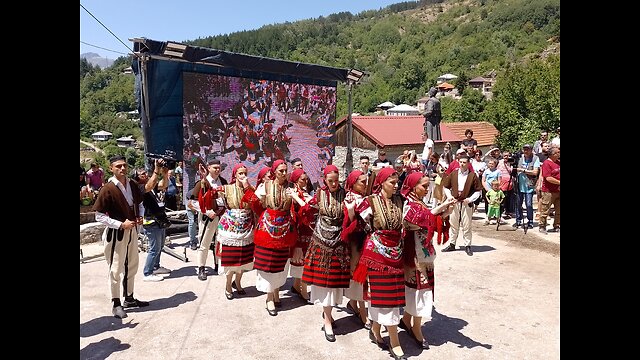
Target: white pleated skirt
<point>419,302</point>
<point>384,315</point>
<point>326,296</point>
<point>354,292</point>
<point>268,282</point>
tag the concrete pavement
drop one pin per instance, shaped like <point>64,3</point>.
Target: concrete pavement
<point>501,303</point>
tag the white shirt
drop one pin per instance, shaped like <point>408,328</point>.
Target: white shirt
<point>128,195</point>
<point>462,179</point>
<point>428,149</point>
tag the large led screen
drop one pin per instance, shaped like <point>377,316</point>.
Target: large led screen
<point>255,122</point>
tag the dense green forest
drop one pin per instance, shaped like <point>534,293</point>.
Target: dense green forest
<point>403,48</point>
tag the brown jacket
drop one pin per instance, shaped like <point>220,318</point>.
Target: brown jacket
<point>111,201</point>
<point>472,185</point>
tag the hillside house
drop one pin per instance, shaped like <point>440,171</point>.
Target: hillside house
<point>482,84</point>
<point>372,132</point>
<point>402,110</point>
<point>126,141</point>
<point>101,135</point>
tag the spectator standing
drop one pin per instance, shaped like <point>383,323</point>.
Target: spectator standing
<point>506,185</point>
<point>382,160</point>
<point>469,144</point>
<point>537,146</point>
<point>556,140</point>
<point>95,177</point>
<point>527,168</point>
<point>550,191</point>
<point>428,148</point>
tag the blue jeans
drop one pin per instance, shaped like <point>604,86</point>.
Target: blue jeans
<point>528,199</point>
<point>193,227</point>
<point>156,237</point>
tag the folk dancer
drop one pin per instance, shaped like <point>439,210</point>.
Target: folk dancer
<point>419,225</point>
<point>381,263</point>
<point>353,232</point>
<point>119,208</point>
<point>326,265</point>
<point>275,233</point>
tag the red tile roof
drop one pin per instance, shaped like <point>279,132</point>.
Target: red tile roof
<point>484,133</point>
<point>400,130</point>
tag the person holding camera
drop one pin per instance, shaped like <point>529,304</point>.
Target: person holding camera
<point>119,208</point>
<point>210,211</point>
<point>155,218</point>
<point>464,185</point>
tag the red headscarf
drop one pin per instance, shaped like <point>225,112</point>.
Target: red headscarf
<point>235,169</point>
<point>351,179</point>
<point>410,182</point>
<point>330,168</point>
<point>261,175</point>
<point>295,175</point>
<point>381,177</point>
<point>275,166</point>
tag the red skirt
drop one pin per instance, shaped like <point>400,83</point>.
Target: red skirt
<point>338,273</point>
<point>236,255</point>
<point>386,290</point>
<point>270,260</point>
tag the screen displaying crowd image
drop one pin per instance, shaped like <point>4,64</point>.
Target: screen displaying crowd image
<point>254,122</point>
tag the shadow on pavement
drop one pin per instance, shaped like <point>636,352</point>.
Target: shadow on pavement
<point>165,303</point>
<point>482,248</point>
<point>102,324</point>
<point>102,349</point>
<point>442,329</point>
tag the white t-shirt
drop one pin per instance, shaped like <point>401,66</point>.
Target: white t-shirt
<point>556,141</point>
<point>428,149</point>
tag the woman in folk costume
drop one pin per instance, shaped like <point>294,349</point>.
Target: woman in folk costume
<point>381,262</point>
<point>300,179</point>
<point>275,232</point>
<point>235,231</point>
<point>353,232</point>
<point>419,224</point>
<point>326,265</point>
<point>263,175</point>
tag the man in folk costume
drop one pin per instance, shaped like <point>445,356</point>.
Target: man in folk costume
<point>326,265</point>
<point>235,231</point>
<point>209,212</point>
<point>275,233</point>
<point>464,186</point>
<point>420,224</point>
<point>300,181</point>
<point>381,263</point>
<point>119,208</point>
<point>353,232</point>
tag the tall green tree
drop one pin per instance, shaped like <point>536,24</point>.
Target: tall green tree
<point>526,100</point>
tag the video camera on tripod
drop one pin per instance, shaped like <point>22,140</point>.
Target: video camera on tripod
<point>169,159</point>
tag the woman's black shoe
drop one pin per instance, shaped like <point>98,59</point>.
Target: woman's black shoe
<point>333,322</point>
<point>403,326</point>
<point>241,291</point>
<point>329,337</point>
<point>273,312</point>
<point>424,344</point>
<point>382,345</point>
<point>396,357</point>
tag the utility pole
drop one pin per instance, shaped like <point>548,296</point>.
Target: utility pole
<point>348,164</point>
